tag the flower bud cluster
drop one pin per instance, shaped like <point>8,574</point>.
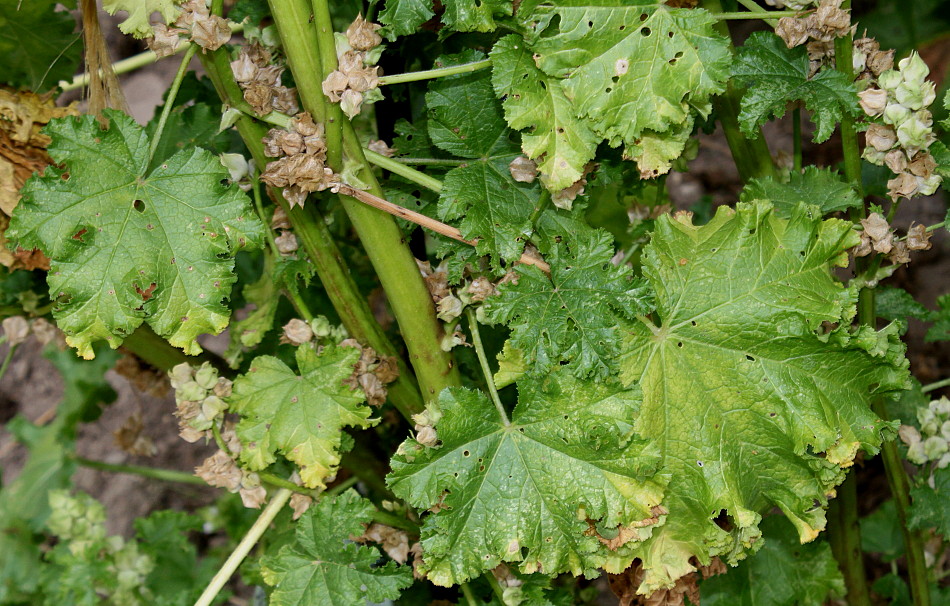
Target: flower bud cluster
<point>931,444</point>
<point>298,332</point>
<point>356,80</point>
<point>199,395</point>
<point>222,471</point>
<point>260,81</point>
<point>301,154</point>
<point>900,100</point>
<point>78,519</point>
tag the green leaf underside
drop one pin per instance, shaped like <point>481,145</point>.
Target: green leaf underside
<point>536,104</point>
<point>741,391</point>
<point>38,44</point>
<point>404,17</point>
<point>300,416</point>
<point>632,72</point>
<point>127,246</point>
<point>776,75</point>
<point>136,22</point>
<point>465,119</point>
<point>820,186</point>
<point>323,566</point>
<point>571,316</point>
<point>782,573</point>
<point>513,492</point>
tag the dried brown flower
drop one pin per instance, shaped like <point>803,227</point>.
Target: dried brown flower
<point>297,332</point>
<point>164,41</point>
<point>918,238</point>
<point>523,169</point>
<point>132,439</point>
<point>393,541</point>
<point>361,34</point>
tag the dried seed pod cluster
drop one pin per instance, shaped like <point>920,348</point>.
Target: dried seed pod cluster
<point>222,471</point>
<point>931,444</point>
<point>208,31</point>
<point>878,237</point>
<point>356,80</point>
<point>301,155</point>
<point>199,397</point>
<point>900,98</point>
<point>819,29</point>
<point>261,82</point>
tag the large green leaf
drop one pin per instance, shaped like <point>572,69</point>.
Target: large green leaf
<point>38,44</point>
<point>782,573</point>
<point>632,70</point>
<point>323,566</point>
<point>535,103</point>
<point>753,403</point>
<point>571,316</point>
<point>523,492</point>
<point>777,75</point>
<point>302,416</point>
<point>127,245</point>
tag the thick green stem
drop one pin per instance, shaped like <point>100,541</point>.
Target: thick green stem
<point>311,229</point>
<point>797,139</point>
<point>430,74</point>
<point>767,16</point>
<point>389,519</point>
<point>6,360</point>
<point>751,156</point>
<point>166,475</point>
<point>383,241</point>
<point>849,135</point>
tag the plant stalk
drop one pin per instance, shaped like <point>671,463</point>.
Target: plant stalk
<point>797,140</point>
<point>166,475</point>
<point>170,99</point>
<point>751,156</point>
<point>935,386</point>
<point>311,229</point>
<point>399,168</point>
<point>483,362</point>
<point>381,237</point>
<point>430,74</point>
<point>250,539</point>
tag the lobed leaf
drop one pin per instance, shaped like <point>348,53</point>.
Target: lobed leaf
<point>777,75</point>
<point>38,44</point>
<point>139,11</point>
<point>572,316</point>
<point>820,186</point>
<point>302,416</point>
<point>127,245</point>
<point>323,566</point>
<point>524,492</point>
<point>753,404</point>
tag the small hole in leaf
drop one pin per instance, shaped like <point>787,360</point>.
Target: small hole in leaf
<point>670,34</point>
<point>646,31</point>
<point>643,17</point>
<point>139,206</point>
<point>623,27</point>
<point>749,358</point>
<point>466,453</point>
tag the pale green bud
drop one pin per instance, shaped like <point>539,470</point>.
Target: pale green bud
<point>935,447</point>
<point>321,327</point>
<point>180,374</point>
<point>191,392</point>
<point>914,135</point>
<point>212,406</point>
<point>896,114</point>
<point>206,376</point>
<point>910,96</point>
<point>889,80</point>
<point>871,155</point>
<point>913,69</point>
<point>928,186</point>
<point>916,453</point>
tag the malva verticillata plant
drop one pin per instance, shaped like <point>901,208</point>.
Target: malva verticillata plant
<point>474,356</point>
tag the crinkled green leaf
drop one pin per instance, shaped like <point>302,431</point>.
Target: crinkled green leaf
<point>535,103</point>
<point>139,11</point>
<point>782,573</point>
<point>465,119</point>
<point>881,532</point>
<point>940,331</point>
<point>127,245</point>
<point>179,575</point>
<point>777,75</point>
<point>323,566</point>
<point>632,70</point>
<point>820,186</point>
<point>299,415</point>
<point>490,206</point>
<point>521,493</point>
<point>573,315</point>
<point>403,17</point>
<point>930,507</point>
<point>38,44</point>
<point>753,405</point>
